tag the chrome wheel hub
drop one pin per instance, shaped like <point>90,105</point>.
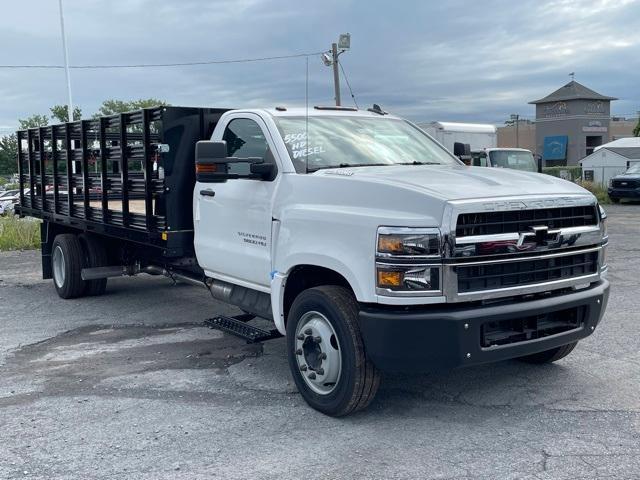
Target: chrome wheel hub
<point>58,267</point>
<point>318,353</point>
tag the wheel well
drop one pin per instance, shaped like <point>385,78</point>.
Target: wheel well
<point>304,277</point>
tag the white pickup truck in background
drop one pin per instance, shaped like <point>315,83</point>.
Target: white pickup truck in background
<point>366,242</point>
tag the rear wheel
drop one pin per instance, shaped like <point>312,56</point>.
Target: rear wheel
<point>66,264</point>
<point>326,353</point>
<point>95,255</point>
<point>549,356</point>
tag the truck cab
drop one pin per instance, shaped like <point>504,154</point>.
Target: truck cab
<point>367,236</point>
<point>513,158</point>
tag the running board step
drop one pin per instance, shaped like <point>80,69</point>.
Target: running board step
<point>238,327</point>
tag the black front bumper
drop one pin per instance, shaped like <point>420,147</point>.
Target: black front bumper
<point>620,193</point>
<point>449,336</point>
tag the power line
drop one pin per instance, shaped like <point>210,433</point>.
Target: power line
<point>154,65</point>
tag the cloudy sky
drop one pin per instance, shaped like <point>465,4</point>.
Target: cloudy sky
<point>427,60</point>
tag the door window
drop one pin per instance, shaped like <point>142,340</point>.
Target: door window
<point>245,139</point>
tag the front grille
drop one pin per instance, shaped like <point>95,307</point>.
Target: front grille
<point>517,330</point>
<point>478,278</point>
<point>630,184</point>
<point>491,223</point>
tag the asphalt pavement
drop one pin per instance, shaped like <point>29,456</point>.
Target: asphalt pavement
<point>130,385</point>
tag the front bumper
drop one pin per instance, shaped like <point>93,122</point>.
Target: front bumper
<point>445,336</point>
<point>623,193</point>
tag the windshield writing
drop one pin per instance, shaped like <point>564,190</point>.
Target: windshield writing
<point>333,142</point>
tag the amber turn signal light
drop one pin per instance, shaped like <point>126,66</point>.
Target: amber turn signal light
<point>388,278</point>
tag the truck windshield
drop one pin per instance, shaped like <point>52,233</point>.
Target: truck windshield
<point>514,159</point>
<point>633,169</point>
<point>336,142</point>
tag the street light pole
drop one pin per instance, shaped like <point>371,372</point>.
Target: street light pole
<point>66,64</point>
<point>336,75</point>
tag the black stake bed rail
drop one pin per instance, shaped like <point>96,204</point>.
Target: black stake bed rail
<point>128,176</point>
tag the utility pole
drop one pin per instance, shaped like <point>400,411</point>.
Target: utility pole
<point>336,75</point>
<point>66,64</point>
<point>330,58</point>
<point>516,118</point>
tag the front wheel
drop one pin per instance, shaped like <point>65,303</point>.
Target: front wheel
<point>549,356</point>
<point>326,353</point>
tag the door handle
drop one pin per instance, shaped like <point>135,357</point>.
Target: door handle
<point>207,193</point>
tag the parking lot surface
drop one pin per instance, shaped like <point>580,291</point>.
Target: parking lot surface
<point>131,385</point>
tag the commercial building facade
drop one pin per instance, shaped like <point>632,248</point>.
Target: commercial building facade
<point>570,123</point>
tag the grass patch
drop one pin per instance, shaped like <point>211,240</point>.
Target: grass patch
<point>19,233</point>
<point>599,191</point>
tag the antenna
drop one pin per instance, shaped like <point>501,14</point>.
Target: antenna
<point>573,76</point>
<point>306,117</point>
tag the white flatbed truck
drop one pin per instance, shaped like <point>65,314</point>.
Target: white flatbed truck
<point>368,245</point>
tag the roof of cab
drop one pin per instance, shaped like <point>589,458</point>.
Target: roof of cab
<point>322,112</point>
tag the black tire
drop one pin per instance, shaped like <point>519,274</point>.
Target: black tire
<point>95,255</point>
<point>71,285</point>
<point>549,356</point>
<point>615,200</point>
<point>359,379</point>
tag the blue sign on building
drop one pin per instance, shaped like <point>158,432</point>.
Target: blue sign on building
<point>555,148</point>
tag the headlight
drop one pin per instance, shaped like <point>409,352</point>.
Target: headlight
<point>408,261</point>
<point>408,242</point>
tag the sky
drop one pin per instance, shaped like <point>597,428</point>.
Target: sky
<point>476,61</point>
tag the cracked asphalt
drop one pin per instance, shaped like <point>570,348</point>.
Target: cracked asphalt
<point>130,385</point>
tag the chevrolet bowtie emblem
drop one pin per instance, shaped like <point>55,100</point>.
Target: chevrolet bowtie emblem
<point>538,234</point>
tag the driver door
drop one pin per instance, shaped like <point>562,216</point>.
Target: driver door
<point>232,220</point>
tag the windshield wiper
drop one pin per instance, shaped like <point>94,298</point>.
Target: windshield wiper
<point>354,165</point>
<point>347,165</point>
<point>415,162</point>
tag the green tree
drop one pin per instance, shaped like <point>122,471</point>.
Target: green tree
<point>111,107</point>
<point>33,121</point>
<point>61,113</point>
<point>9,143</point>
<point>636,131</point>
<point>8,154</point>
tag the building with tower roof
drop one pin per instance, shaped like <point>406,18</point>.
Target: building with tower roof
<point>570,123</point>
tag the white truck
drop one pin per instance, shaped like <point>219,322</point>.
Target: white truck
<point>368,244</point>
<point>477,135</point>
<point>513,158</point>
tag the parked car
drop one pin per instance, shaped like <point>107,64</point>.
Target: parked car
<point>625,186</point>
<point>9,195</point>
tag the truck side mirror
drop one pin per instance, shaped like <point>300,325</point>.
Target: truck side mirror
<point>211,161</point>
<point>462,151</point>
<point>213,165</point>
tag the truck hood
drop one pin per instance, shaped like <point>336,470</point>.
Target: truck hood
<point>460,182</point>
<point>627,176</point>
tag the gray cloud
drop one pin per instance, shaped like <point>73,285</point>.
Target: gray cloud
<point>454,60</point>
